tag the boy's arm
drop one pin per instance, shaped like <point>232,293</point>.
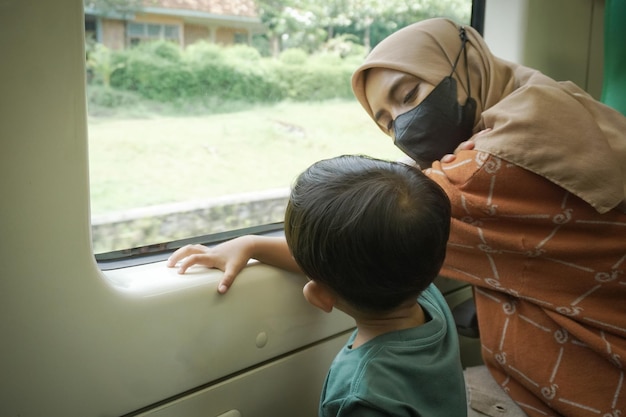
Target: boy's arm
<point>232,256</point>
<point>273,251</point>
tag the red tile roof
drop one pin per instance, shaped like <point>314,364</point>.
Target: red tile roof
<point>221,7</point>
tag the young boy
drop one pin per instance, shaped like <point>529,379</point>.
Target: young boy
<point>371,236</point>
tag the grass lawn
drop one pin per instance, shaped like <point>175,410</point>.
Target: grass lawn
<point>149,160</point>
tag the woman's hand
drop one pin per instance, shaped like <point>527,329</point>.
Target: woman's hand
<point>468,145</point>
<point>231,257</point>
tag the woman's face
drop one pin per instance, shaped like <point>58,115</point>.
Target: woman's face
<point>391,93</point>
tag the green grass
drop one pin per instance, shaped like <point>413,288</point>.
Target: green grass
<point>150,159</point>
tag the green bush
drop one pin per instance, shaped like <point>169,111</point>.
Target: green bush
<point>203,51</point>
<point>169,51</point>
<point>101,96</point>
<point>158,78</point>
<point>231,80</point>
<point>293,56</point>
<point>243,53</point>
<point>313,82</point>
<point>161,71</point>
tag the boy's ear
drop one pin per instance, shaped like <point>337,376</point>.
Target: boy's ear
<point>319,295</point>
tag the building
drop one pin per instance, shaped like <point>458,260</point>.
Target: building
<point>182,21</point>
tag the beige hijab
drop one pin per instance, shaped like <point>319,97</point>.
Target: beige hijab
<point>551,128</point>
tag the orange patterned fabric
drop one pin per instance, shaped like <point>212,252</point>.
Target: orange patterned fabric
<point>550,277</point>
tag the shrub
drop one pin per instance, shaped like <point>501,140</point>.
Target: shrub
<point>242,53</point>
<point>312,82</point>
<point>101,96</point>
<point>154,69</point>
<point>162,71</point>
<point>237,81</point>
<point>169,51</point>
<point>203,51</point>
<point>101,64</point>
<point>293,56</point>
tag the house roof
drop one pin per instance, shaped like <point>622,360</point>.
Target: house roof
<point>232,13</point>
<point>242,8</point>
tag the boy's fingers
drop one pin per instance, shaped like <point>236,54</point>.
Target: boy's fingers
<point>173,259</point>
<point>226,282</point>
<point>222,288</point>
<point>195,259</point>
<point>183,268</point>
<point>183,252</point>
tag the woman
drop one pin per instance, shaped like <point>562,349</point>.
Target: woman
<point>539,225</point>
<point>538,212</point>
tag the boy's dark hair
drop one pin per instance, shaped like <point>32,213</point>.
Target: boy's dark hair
<point>373,231</point>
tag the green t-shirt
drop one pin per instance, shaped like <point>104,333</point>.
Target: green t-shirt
<point>411,372</point>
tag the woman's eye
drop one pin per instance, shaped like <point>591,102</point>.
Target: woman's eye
<point>390,125</point>
<point>411,95</point>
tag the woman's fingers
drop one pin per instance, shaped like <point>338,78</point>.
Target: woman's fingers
<point>467,145</point>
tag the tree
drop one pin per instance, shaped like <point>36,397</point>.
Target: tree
<point>308,24</point>
<point>292,23</point>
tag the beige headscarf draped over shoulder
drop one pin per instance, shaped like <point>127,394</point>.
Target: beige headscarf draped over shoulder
<point>554,129</point>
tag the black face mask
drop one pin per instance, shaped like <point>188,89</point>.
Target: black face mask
<point>439,123</point>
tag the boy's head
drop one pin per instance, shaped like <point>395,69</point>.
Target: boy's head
<point>374,232</point>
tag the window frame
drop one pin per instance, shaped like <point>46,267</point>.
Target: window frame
<point>160,251</point>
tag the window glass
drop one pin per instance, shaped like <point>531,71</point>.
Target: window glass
<point>135,29</point>
<point>205,135</point>
<point>170,32</point>
<point>240,38</point>
<point>154,31</point>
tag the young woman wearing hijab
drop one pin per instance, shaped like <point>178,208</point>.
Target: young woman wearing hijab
<point>539,223</point>
<point>538,212</point>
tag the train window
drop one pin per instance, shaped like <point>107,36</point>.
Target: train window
<point>200,119</point>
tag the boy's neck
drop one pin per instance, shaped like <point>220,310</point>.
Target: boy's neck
<point>369,326</point>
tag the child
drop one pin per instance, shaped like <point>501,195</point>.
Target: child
<point>371,236</point>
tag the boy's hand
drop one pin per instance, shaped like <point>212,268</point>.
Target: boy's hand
<point>231,257</point>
